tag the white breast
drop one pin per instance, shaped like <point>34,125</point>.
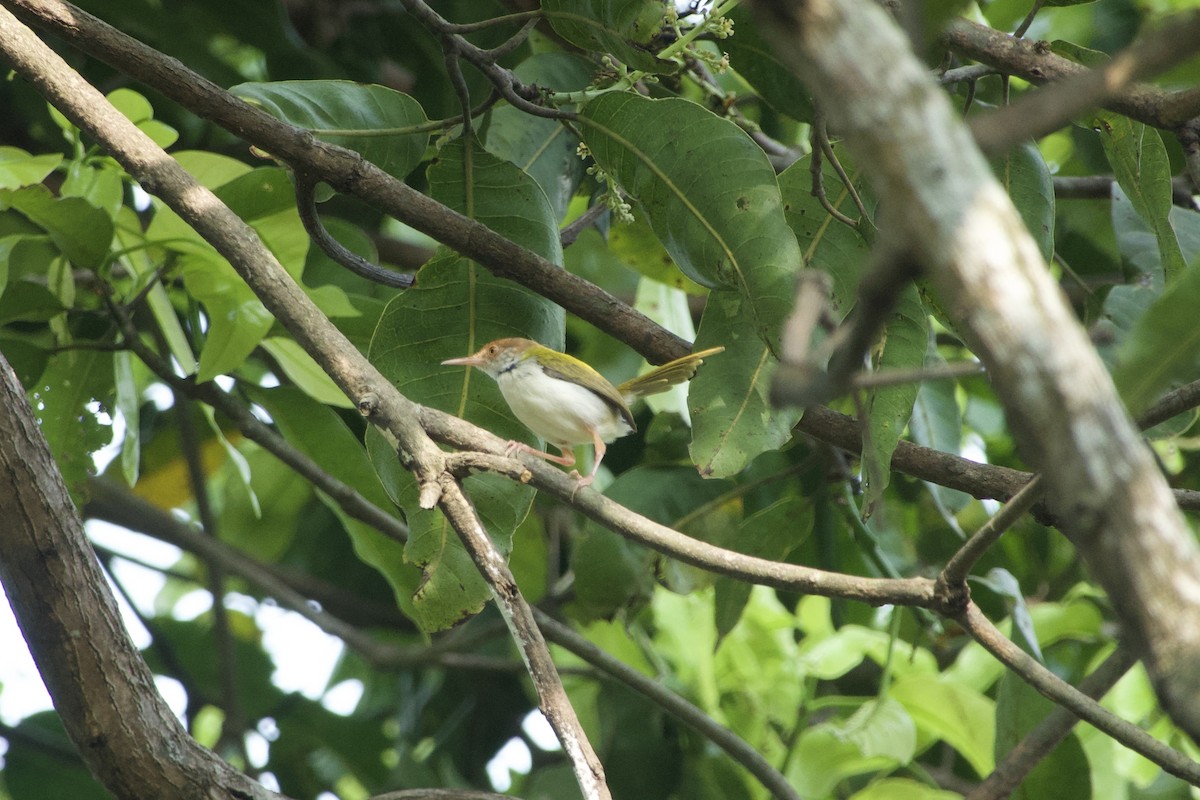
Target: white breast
<point>562,413</point>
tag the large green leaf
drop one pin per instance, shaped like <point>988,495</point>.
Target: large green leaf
<point>624,28</point>
<point>961,717</point>
<point>1158,341</point>
<point>709,193</point>
<point>19,168</point>
<point>64,401</point>
<point>1024,174</point>
<point>1140,165</point>
<point>902,347</point>
<point>368,118</point>
<point>545,148</point>
<point>733,420</point>
<point>756,61</point>
<point>455,308</point>
<point>80,230</point>
<point>826,244</point>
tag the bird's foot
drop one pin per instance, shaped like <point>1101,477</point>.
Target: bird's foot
<point>580,482</point>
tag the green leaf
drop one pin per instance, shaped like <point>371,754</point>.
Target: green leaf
<point>822,760</point>
<point>129,404</point>
<point>1065,770</point>
<point>880,727</point>
<point>19,168</point>
<point>1024,174</point>
<point>416,333</point>
<point>300,368</point>
<point>709,193</point>
<point>369,119</point>
<point>903,346</point>
<point>1163,342</point>
<point>544,148</point>
<point>237,319</point>
<point>139,111</point>
<point>772,533</point>
<point>733,420</point>
<point>63,401</point>
<point>624,28</point>
<point>103,187</point>
<point>1005,584</point>
<point>1140,165</point>
<point>936,423</point>
<point>319,433</point>
<point>80,230</point>
<point>755,60</point>
<point>635,245</point>
<point>826,244</point>
<point>903,789</point>
<point>961,717</point>
<point>1078,53</point>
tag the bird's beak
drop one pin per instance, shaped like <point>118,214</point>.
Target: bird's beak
<point>465,361</point>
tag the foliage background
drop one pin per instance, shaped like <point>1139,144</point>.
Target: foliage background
<point>844,699</point>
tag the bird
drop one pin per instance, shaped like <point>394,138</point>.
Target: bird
<point>565,401</point>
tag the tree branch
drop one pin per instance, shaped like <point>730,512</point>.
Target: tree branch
<point>126,734</point>
<point>1026,754</point>
<point>1034,62</point>
<point>161,175</point>
<point>349,173</point>
<point>1103,486</point>
<point>1041,112</point>
<point>1030,670</point>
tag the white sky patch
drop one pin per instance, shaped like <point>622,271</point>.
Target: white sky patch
<point>343,697</point>
<point>537,728</point>
<point>304,655</point>
<point>514,756</point>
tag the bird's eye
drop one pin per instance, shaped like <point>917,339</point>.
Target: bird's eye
<point>493,349</point>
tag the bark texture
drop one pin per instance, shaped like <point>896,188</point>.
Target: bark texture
<point>1102,483</point>
<point>101,687</point>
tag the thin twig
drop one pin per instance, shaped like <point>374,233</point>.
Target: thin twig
<point>306,205</point>
<point>1030,670</point>
<point>1040,742</point>
<point>847,184</point>
<point>552,697</point>
<point>570,232</point>
<point>959,566</point>
<point>818,179</point>
<point>1025,23</point>
<point>681,709</point>
<point>350,501</point>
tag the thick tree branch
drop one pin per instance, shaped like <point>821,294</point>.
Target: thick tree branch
<point>1102,484</point>
<point>103,691</point>
<point>161,175</point>
<point>1036,114</point>
<point>1035,62</point>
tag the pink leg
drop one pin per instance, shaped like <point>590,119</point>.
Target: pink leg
<point>567,459</point>
<point>600,448</point>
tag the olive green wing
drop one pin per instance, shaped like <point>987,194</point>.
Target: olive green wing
<point>663,378</point>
